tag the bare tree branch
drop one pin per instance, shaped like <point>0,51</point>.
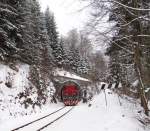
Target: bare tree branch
<point>125,6</point>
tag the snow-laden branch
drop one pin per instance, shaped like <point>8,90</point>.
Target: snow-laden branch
<point>143,35</point>
<point>114,42</point>
<point>126,64</point>
<point>141,17</point>
<point>125,6</point>
<point>129,36</point>
<point>125,37</point>
<point>130,22</point>
<point>123,48</point>
<point>129,7</point>
<point>130,12</point>
<point>121,39</point>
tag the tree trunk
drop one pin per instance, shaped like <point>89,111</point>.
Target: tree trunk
<point>144,101</point>
<point>137,58</point>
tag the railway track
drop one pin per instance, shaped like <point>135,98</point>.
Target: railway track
<point>45,121</point>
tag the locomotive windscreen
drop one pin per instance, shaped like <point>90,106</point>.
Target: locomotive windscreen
<point>70,90</point>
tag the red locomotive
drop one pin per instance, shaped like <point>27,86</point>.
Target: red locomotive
<point>70,93</point>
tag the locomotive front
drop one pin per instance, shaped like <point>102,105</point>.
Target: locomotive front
<point>70,93</point>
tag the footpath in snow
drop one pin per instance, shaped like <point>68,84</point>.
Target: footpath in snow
<point>97,117</point>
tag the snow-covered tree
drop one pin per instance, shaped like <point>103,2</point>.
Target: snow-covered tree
<point>52,33</point>
<point>76,55</point>
<point>9,30</point>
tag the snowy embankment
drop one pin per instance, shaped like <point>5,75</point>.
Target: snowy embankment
<point>15,81</point>
<point>97,117</point>
<point>11,83</point>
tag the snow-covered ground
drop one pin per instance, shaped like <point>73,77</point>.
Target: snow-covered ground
<point>13,82</point>
<point>97,117</point>
<point>18,80</point>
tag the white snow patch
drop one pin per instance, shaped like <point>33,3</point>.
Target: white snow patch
<point>9,105</point>
<point>60,72</point>
<point>135,83</point>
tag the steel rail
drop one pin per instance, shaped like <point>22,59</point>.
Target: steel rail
<point>54,120</point>
<point>37,119</point>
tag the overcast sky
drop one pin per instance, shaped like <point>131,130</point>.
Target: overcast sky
<point>66,13</point>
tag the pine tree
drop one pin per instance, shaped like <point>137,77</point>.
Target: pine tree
<point>64,54</point>
<point>9,30</point>
<point>42,60</point>
<point>47,58</point>
<point>57,49</point>
<point>83,67</point>
<point>26,23</point>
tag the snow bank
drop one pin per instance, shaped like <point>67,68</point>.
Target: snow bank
<point>15,88</point>
<point>17,79</point>
<point>12,83</point>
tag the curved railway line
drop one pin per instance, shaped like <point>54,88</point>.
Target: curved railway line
<point>44,117</point>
